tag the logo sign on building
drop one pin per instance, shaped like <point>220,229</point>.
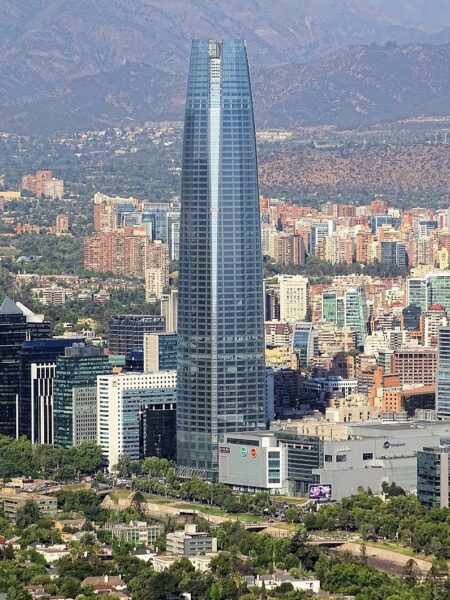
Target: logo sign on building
<point>224,450</point>
<point>244,452</point>
<point>253,452</point>
<point>387,444</point>
<point>320,491</point>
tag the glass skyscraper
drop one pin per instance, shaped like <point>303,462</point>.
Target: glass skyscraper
<point>16,327</point>
<point>75,394</point>
<point>221,374</point>
<point>443,374</point>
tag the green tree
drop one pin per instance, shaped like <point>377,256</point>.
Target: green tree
<point>124,467</point>
<point>89,457</point>
<point>69,586</point>
<point>139,504</point>
<point>18,592</point>
<point>291,515</point>
<point>28,514</point>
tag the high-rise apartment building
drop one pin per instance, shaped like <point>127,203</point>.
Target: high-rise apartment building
<point>221,374</point>
<point>293,298</point>
<point>75,394</point>
<point>363,241</point>
<point>128,251</point>
<point>433,319</point>
<point>433,288</point>
<point>53,188</point>
<point>153,284</point>
<point>289,249</point>
<point>17,325</point>
<point>42,177</point>
<point>62,224</point>
<point>415,365</point>
<point>347,309</point>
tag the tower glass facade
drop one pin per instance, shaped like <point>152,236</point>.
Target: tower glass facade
<point>443,374</point>
<point>221,375</point>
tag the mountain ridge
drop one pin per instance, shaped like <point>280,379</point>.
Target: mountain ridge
<point>351,87</point>
<point>88,53</point>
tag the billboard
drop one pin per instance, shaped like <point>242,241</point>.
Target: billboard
<point>320,491</point>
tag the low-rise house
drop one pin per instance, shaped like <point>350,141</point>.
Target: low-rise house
<point>273,581</point>
<point>161,562</point>
<point>74,523</point>
<point>143,554</point>
<point>202,562</point>
<point>53,553</point>
<point>106,552</point>
<point>53,572</point>
<point>105,583</point>
<point>190,542</point>
<point>36,591</point>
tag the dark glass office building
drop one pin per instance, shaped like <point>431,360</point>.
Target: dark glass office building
<point>75,394</point>
<point>221,374</point>
<point>433,477</point>
<point>37,373</point>
<point>15,328</point>
<point>411,317</point>
<point>158,430</point>
<point>126,332</point>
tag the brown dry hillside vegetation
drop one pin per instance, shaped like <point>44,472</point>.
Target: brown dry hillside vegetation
<point>390,168</point>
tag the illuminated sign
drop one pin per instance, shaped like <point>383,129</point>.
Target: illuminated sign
<point>253,452</point>
<point>244,452</point>
<point>320,491</point>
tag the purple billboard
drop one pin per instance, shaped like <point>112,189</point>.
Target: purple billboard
<point>320,491</point>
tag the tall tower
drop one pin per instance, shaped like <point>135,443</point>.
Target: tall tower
<point>443,374</point>
<point>221,373</point>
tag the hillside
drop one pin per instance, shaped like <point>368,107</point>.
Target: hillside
<point>93,63</point>
<point>358,85</point>
<point>353,86</point>
<point>389,169</point>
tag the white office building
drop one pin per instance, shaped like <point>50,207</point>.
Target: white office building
<point>293,298</point>
<point>119,401</point>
